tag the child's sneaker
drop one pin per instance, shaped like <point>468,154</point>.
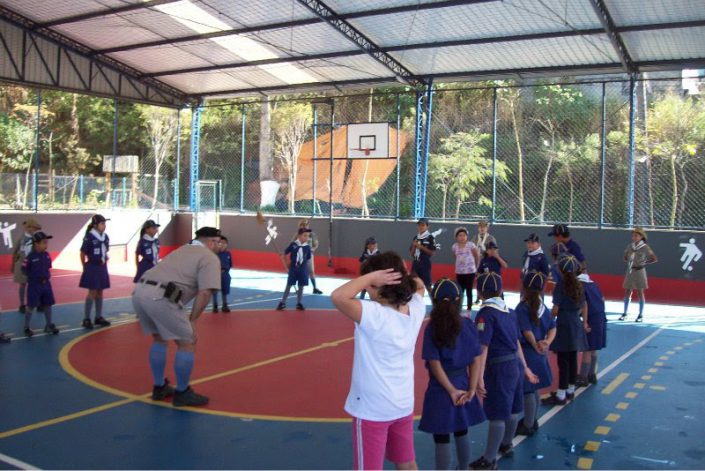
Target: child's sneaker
<point>51,329</point>
<point>189,397</point>
<point>281,306</point>
<point>524,430</point>
<point>623,317</point>
<point>87,324</point>
<point>102,322</point>
<point>215,309</point>
<point>639,318</point>
<point>163,391</point>
<point>4,338</point>
<point>506,450</point>
<point>22,309</point>
<point>300,307</point>
<point>317,291</point>
<point>226,308</point>
<point>553,400</point>
<point>592,379</point>
<point>581,382</point>
<point>482,463</point>
<point>28,332</point>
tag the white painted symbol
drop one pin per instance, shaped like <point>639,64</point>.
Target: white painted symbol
<point>691,255</point>
<point>7,233</point>
<point>436,234</point>
<point>271,232</point>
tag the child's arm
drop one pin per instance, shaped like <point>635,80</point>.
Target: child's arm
<point>652,258</point>
<point>501,261</point>
<point>549,338</point>
<point>529,336</point>
<point>533,379</point>
<point>476,255</point>
<point>584,313</point>
<point>481,374</point>
<point>457,396</point>
<point>345,297</point>
<point>475,368</point>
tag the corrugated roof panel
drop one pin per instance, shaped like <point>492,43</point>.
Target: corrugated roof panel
<point>480,20</point>
<point>346,6</point>
<point>68,76</point>
<point>108,31</point>
<point>511,56</point>
<point>160,58</point>
<point>686,43</point>
<point>347,68</point>
<point>641,12</point>
<point>309,39</point>
<point>42,11</point>
<point>13,38</point>
<point>258,12</point>
<point>205,82</point>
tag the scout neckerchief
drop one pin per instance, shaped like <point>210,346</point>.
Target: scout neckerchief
<point>530,254</point>
<point>422,236</point>
<point>585,278</point>
<point>155,246</point>
<point>369,254</point>
<point>634,248</point>
<point>482,240</point>
<point>196,242</point>
<point>300,252</point>
<point>26,244</point>
<point>101,238</point>
<point>497,303</point>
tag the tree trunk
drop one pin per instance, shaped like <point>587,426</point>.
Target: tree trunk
<point>18,192</point>
<point>684,193</point>
<point>443,208</point>
<point>458,203</point>
<point>571,199</point>
<point>365,208</point>
<point>545,188</point>
<point>520,162</point>
<point>674,197</point>
<point>73,189</point>
<point>156,184</point>
<point>265,142</point>
<point>26,185</point>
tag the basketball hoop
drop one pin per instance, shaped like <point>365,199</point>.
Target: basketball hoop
<point>365,150</point>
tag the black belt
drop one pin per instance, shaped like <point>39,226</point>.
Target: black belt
<point>638,268</point>
<point>39,280</point>
<point>502,359</point>
<point>456,372</point>
<point>153,283</point>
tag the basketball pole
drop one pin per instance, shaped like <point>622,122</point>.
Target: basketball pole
<point>330,187</point>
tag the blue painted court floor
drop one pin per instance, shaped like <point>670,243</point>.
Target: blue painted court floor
<point>646,412</point>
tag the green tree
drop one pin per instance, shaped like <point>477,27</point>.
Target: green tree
<point>161,124</point>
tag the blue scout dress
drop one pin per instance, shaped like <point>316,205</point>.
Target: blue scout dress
<point>298,269</point>
<point>439,414</point>
<point>488,264</point>
<point>226,263</point>
<point>570,334</point>
<point>37,267</point>
<point>148,249</point>
<point>597,320</point>
<point>536,362</point>
<point>535,262</point>
<point>95,270</point>
<point>422,261</point>
<point>498,329</point>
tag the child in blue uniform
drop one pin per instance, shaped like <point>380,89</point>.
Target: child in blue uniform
<point>423,246</point>
<point>37,268</point>
<point>452,352</point>
<point>147,251</point>
<point>596,332</point>
<point>23,247</point>
<point>299,253</point>
<point>371,249</point>
<point>94,258</point>
<point>226,263</point>
<point>534,259</point>
<point>561,233</point>
<point>491,261</point>
<point>538,329</point>
<point>568,306</point>
<point>503,366</point>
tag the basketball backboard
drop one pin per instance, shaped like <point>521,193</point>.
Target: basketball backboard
<point>368,140</point>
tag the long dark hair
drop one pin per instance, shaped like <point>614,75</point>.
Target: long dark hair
<point>572,287</point>
<point>532,298</point>
<point>396,295</point>
<point>446,322</point>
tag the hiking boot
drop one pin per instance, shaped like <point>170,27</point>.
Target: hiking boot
<point>281,306</point>
<point>163,391</point>
<point>524,430</point>
<point>553,400</point>
<point>317,291</point>
<point>506,450</point>
<point>101,322</point>
<point>28,332</point>
<point>226,308</point>
<point>482,463</point>
<point>51,329</point>
<point>87,324</point>
<point>300,307</point>
<point>189,397</point>
<point>592,379</point>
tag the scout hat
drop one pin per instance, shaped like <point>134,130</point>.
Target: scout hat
<point>534,280</point>
<point>445,289</point>
<point>489,282</point>
<point>640,231</point>
<point>32,224</point>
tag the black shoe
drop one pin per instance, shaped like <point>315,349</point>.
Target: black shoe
<point>482,463</point>
<point>553,400</point>
<point>87,324</point>
<point>300,307</point>
<point>163,391</point>
<point>189,397</point>
<point>569,395</point>
<point>28,332</point>
<point>215,309</point>
<point>226,308</point>
<point>51,329</point>
<point>22,309</point>
<point>5,339</point>
<point>281,306</point>
<point>639,318</point>
<point>101,322</point>
<point>581,382</point>
<point>524,430</point>
<point>592,379</point>
<point>507,450</point>
<point>535,427</point>
<point>623,317</point>
<point>317,291</point>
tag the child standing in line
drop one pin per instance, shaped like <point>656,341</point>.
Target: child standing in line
<point>467,258</point>
<point>597,333</point>
<point>492,262</point>
<point>299,253</point>
<point>637,255</point>
<point>313,243</point>
<point>423,246</point>
<point>226,263</point>
<point>22,248</point>
<point>381,398</point>
<point>568,307</point>
<point>370,250</point>
<point>503,366</point>
<point>452,351</point>
<point>37,268</point>
<point>483,237</point>
<point>95,278</point>
<point>561,234</point>
<point>538,330</point>
<point>534,259</point>
<point>147,251</point>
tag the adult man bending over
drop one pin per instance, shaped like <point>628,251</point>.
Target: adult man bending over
<point>190,272</point>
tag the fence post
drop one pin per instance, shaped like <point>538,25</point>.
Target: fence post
<point>313,160</point>
<point>80,191</point>
<point>630,156</point>
<point>603,136</point>
<point>423,136</point>
<point>194,160</point>
<point>177,180</point>
<point>115,150</point>
<point>242,159</point>
<point>35,183</point>
<point>330,186</point>
<point>398,183</point>
<point>494,155</point>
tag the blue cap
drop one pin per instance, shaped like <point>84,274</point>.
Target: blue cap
<point>533,237</point>
<point>534,280</point>
<point>491,245</point>
<point>370,240</point>
<point>559,230</point>
<point>489,282</point>
<point>445,289</point>
<point>568,264</point>
<point>422,221</point>
<point>39,236</point>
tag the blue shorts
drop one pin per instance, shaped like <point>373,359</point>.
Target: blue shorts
<point>225,280</point>
<point>423,272</point>
<point>39,294</point>
<point>298,276</point>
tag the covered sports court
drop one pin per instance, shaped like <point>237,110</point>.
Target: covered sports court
<point>278,380</point>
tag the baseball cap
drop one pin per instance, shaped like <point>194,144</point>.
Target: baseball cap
<point>303,230</point>
<point>445,289</point>
<point>149,223</point>
<point>422,221</point>
<point>533,237</point>
<point>370,240</point>
<point>39,236</point>
<point>97,219</point>
<point>491,245</point>
<point>559,230</point>
<point>534,280</point>
<point>207,231</point>
<point>489,282</point>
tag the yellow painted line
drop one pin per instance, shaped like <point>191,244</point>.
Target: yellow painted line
<point>640,385</point>
<point>622,405</point>
<point>631,395</point>
<point>615,383</point>
<point>670,352</point>
<point>658,363</point>
<point>646,377</point>
<point>602,430</point>
<point>658,388</point>
<point>653,370</point>
<point>584,463</point>
<point>612,417</point>
<point>664,358</point>
<point>592,446</point>
<point>678,348</point>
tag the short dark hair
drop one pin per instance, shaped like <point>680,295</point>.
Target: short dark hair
<point>394,294</point>
<point>222,237</point>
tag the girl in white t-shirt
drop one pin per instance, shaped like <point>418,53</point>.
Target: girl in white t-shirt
<point>467,258</point>
<point>381,398</point>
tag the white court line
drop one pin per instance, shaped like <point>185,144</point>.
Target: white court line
<point>16,463</point>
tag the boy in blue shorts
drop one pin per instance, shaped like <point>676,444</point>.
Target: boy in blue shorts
<point>39,293</point>
<point>423,246</point>
<point>299,253</point>
<point>226,263</point>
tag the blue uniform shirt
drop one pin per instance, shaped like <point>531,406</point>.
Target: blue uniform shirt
<point>575,250</point>
<point>488,264</point>
<point>540,331</point>
<point>92,248</point>
<point>226,261</point>
<point>563,301</point>
<point>537,262</point>
<point>37,265</point>
<point>595,301</point>
<point>365,255</point>
<point>423,259</point>
<point>498,329</point>
<point>292,250</point>
<point>149,250</point>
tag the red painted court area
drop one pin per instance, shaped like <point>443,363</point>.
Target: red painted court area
<point>252,362</point>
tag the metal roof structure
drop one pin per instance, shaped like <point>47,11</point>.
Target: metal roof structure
<point>175,52</point>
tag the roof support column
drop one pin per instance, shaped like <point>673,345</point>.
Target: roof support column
<point>424,105</point>
<point>195,157</point>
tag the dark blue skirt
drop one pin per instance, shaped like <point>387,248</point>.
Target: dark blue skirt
<point>95,276</point>
<point>423,271</point>
<point>440,415</point>
<point>505,391</point>
<point>539,365</point>
<point>142,266</point>
<point>597,337</point>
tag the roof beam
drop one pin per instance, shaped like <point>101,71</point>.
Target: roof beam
<point>298,86</point>
<point>98,14</point>
<point>611,29</point>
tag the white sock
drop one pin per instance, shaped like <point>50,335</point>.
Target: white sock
<point>571,389</point>
<point>560,394</point>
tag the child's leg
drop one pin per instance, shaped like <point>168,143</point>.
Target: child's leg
<point>369,440</point>
<point>99,304</point>
<point>530,408</point>
<point>593,363</point>
<point>510,428</point>
<point>495,435</point>
<point>286,293</point>
<point>224,298</point>
<point>563,371</point>
<point>443,457</point>
<point>586,364</point>
<point>468,288</point>
<point>28,316</point>
<point>627,298</point>
<point>215,300</point>
<point>23,291</point>
<point>299,293</point>
<point>462,448</point>
<point>47,315</point>
<point>572,371</point>
<point>88,306</point>
<point>642,301</point>
<point>461,281</point>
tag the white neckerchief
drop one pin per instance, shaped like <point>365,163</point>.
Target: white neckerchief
<point>300,252</point>
<point>482,240</point>
<point>155,247</point>
<point>585,278</point>
<point>542,309</point>
<point>497,303</point>
<point>196,242</point>
<point>26,247</point>
<point>101,238</point>
<point>530,254</point>
<point>422,236</point>
<point>369,254</point>
<point>632,254</point>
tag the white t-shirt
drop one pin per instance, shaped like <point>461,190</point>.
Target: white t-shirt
<point>382,386</point>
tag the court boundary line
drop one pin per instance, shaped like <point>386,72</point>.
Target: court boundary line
<point>16,463</point>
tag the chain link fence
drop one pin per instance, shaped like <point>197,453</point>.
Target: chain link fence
<point>535,154</point>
